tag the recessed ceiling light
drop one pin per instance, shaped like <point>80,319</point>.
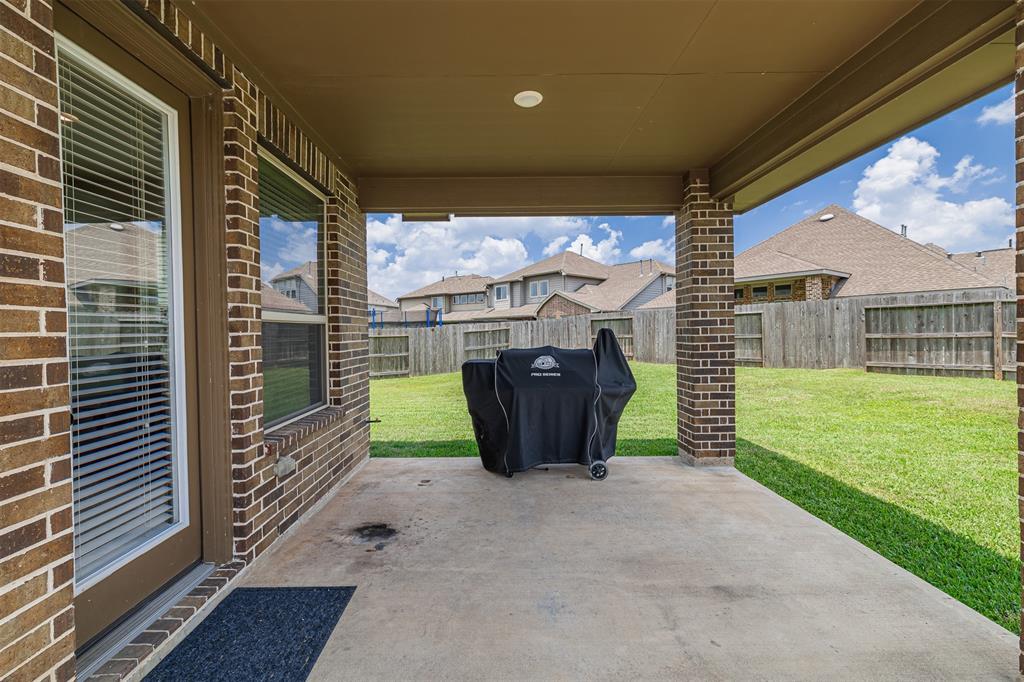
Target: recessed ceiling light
<point>528,99</point>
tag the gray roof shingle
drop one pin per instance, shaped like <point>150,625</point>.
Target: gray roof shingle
<point>878,260</point>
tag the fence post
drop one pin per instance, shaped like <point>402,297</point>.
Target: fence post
<point>997,340</point>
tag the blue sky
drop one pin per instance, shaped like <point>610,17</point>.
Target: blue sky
<point>950,181</point>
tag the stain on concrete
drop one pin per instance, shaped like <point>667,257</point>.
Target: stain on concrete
<point>377,533</point>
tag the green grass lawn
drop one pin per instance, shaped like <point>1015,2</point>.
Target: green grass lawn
<point>921,469</point>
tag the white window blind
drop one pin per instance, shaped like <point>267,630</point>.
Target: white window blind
<point>119,215</point>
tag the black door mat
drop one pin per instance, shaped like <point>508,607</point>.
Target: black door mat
<point>258,633</point>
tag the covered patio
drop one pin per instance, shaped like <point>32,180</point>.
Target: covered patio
<point>171,134</point>
<point>667,572</point>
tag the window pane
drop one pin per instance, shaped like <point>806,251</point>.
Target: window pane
<point>120,238</point>
<point>293,357</point>
<point>290,237</point>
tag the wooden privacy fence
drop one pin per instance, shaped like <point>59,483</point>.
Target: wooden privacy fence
<point>961,333</point>
<point>958,339</point>
<point>645,335</point>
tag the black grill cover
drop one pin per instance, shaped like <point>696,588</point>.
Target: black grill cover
<point>548,405</point>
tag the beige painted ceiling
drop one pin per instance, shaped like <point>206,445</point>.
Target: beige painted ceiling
<point>631,87</point>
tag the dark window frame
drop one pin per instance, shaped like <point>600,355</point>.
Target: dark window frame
<point>290,320</point>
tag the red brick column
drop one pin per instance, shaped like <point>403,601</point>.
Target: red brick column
<point>705,344</point>
<point>1019,149</point>
<point>37,635</point>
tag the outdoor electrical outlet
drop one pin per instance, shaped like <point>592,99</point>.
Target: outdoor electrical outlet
<point>284,466</point>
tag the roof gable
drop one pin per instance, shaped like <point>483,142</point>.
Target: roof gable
<point>567,263</point>
<point>457,284</point>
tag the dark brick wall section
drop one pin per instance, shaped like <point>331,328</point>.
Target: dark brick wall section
<point>558,307</point>
<point>705,328</point>
<point>36,638</point>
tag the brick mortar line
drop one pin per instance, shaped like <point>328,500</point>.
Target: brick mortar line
<point>48,538</point>
<point>49,645</point>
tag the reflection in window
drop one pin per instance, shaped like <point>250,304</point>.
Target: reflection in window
<point>291,226</point>
<point>760,293</point>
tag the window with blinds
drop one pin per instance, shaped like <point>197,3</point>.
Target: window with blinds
<point>117,146</point>
<point>294,327</point>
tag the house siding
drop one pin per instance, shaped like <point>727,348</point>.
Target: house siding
<point>572,283</point>
<point>36,528</point>
<point>656,288</point>
<point>418,304</point>
<point>304,294</point>
<point>516,294</point>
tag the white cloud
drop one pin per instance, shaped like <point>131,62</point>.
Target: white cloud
<point>405,256</point>
<point>605,251</point>
<point>668,221</point>
<point>905,188</point>
<point>1000,114</point>
<point>660,249</point>
<point>555,245</point>
<point>495,257</point>
<point>269,271</point>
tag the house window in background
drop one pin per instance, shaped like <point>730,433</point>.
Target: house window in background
<point>437,302</point>
<point>501,293</point>
<point>738,293</point>
<point>538,289</point>
<point>783,290</point>
<point>294,324</point>
<point>760,293</point>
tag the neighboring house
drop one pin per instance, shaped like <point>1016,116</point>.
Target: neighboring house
<point>380,303</point>
<point>272,299</point>
<point>836,253</point>
<point>564,284</point>
<point>626,286</point>
<point>455,294</point>
<point>300,284</point>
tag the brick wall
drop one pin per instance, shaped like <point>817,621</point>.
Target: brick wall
<point>558,306</point>
<point>1019,164</point>
<point>36,612</point>
<point>36,616</point>
<point>705,330</point>
<point>798,292</point>
<point>265,505</point>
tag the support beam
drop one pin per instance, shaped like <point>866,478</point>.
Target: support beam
<point>939,56</point>
<point>519,196</point>
<point>705,329</point>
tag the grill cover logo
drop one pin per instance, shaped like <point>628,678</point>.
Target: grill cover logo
<point>544,363</point>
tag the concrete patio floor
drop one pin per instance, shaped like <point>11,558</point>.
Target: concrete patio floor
<point>661,571</point>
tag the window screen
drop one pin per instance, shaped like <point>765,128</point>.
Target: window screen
<point>291,222</point>
<point>120,239</point>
